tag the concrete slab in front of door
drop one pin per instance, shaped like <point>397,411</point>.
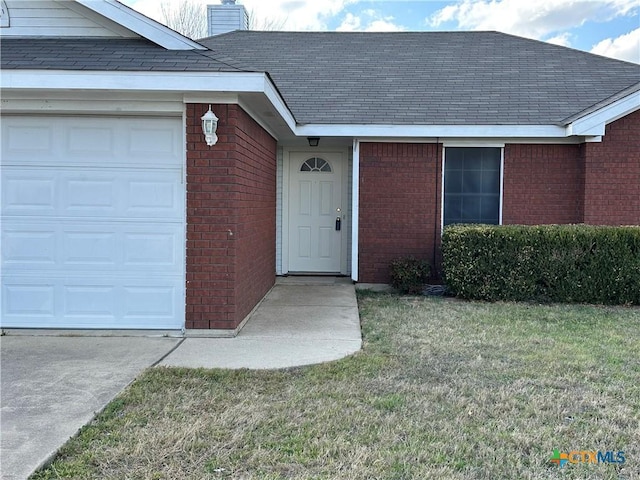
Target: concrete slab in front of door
<point>306,279</point>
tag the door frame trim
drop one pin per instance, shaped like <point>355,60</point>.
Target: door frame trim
<point>286,186</point>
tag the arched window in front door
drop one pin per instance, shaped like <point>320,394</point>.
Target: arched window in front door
<point>316,164</point>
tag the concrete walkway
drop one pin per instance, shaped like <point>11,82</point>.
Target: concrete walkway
<point>302,321</point>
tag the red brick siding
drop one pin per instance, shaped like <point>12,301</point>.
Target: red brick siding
<point>399,205</point>
<point>256,209</point>
<point>230,218</point>
<point>612,175</point>
<point>543,184</point>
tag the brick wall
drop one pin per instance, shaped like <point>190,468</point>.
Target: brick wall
<point>399,205</point>
<point>231,206</point>
<point>596,183</point>
<point>543,184</point>
<point>612,175</point>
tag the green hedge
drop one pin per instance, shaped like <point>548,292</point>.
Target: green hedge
<point>549,263</point>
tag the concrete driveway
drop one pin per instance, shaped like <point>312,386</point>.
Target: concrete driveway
<point>51,386</point>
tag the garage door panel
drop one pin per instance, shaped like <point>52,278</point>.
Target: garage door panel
<point>27,193</point>
<point>154,195</point>
<point>91,302</point>
<point>31,139</point>
<point>122,142</point>
<point>23,247</point>
<point>93,222</point>
<point>31,298</point>
<point>160,143</point>
<point>69,247</point>
<point>93,193</point>
<point>96,301</point>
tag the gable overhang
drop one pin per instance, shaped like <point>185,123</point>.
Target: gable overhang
<point>140,24</point>
<point>594,123</point>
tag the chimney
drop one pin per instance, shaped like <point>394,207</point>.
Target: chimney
<point>226,17</point>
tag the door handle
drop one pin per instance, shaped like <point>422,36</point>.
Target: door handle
<point>338,224</point>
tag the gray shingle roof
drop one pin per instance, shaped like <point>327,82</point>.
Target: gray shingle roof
<point>408,78</point>
<point>105,54</point>
<point>428,77</point>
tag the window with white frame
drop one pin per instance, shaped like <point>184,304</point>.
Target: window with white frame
<point>472,185</point>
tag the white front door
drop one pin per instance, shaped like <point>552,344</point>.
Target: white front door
<point>315,196</point>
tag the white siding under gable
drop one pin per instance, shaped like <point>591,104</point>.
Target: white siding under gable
<point>58,18</point>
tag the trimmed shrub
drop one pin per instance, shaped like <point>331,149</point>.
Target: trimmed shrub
<point>548,263</point>
<point>409,274</point>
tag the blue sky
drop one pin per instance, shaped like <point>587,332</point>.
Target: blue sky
<point>606,27</point>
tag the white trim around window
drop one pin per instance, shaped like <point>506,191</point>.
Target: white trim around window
<point>443,170</point>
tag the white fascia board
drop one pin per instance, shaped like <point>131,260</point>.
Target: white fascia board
<point>276,100</point>
<point>132,81</point>
<point>593,124</point>
<point>431,131</point>
<point>142,25</point>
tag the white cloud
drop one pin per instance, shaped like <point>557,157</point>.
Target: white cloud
<point>534,19</point>
<point>563,39</point>
<point>384,25</point>
<point>375,23</point>
<point>625,47</point>
<point>351,23</point>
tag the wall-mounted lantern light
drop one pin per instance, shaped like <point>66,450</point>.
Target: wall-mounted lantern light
<point>209,125</point>
<point>313,141</point>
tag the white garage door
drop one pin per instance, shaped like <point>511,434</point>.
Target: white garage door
<point>93,221</point>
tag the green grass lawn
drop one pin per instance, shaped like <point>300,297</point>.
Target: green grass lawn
<point>442,389</point>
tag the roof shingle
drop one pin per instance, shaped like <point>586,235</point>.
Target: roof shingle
<point>105,54</point>
<point>404,78</point>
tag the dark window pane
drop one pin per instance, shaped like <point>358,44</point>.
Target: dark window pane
<point>490,209</point>
<point>470,209</point>
<point>453,181</point>
<point>472,181</point>
<point>455,158</point>
<point>490,181</point>
<point>490,159</point>
<point>453,208</point>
